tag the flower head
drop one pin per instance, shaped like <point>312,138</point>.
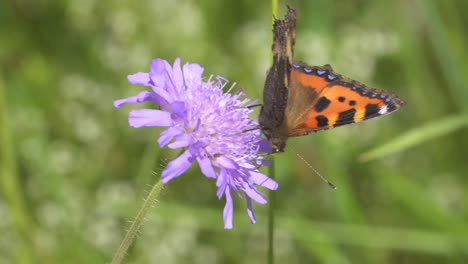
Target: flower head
<point>213,126</point>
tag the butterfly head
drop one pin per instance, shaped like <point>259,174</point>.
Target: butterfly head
<point>277,142</point>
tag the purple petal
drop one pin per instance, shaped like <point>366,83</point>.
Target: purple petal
<point>193,73</point>
<point>227,163</point>
<point>167,135</point>
<point>228,210</point>
<point>178,107</point>
<point>250,211</point>
<point>177,77</point>
<point>265,146</point>
<point>149,117</point>
<point>265,163</point>
<point>221,183</point>
<point>178,110</point>
<point>164,95</point>
<point>195,148</point>
<point>141,97</point>
<point>246,165</point>
<point>182,140</point>
<point>206,167</point>
<point>140,78</point>
<point>159,77</point>
<point>253,193</point>
<point>263,180</point>
<point>159,74</point>
<point>177,167</point>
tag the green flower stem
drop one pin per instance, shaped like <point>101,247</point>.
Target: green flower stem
<point>274,10</point>
<point>271,216</point>
<point>149,202</point>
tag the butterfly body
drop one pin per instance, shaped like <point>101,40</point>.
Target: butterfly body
<point>300,99</point>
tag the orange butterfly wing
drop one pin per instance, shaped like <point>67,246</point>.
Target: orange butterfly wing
<point>333,100</point>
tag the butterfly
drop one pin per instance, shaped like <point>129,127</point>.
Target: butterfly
<point>299,99</point>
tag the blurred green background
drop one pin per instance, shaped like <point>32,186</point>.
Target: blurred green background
<point>73,173</point>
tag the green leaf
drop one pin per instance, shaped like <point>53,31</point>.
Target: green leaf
<point>417,136</point>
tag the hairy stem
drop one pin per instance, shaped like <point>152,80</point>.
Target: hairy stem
<point>149,202</point>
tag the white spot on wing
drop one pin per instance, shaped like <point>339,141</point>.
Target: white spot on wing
<point>383,110</point>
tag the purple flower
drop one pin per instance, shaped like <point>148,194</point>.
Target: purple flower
<point>213,126</point>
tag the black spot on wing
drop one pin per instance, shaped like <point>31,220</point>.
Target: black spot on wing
<point>345,117</point>
<point>352,102</point>
<point>392,106</point>
<point>322,104</point>
<point>322,120</point>
<point>341,99</point>
<point>372,110</point>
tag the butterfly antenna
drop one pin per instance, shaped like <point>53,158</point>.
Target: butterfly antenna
<point>251,129</point>
<point>316,172</point>
<point>255,105</point>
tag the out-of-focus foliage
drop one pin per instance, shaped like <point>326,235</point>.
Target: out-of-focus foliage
<point>73,173</point>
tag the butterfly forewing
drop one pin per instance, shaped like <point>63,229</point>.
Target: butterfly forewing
<point>275,92</point>
<point>338,100</point>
